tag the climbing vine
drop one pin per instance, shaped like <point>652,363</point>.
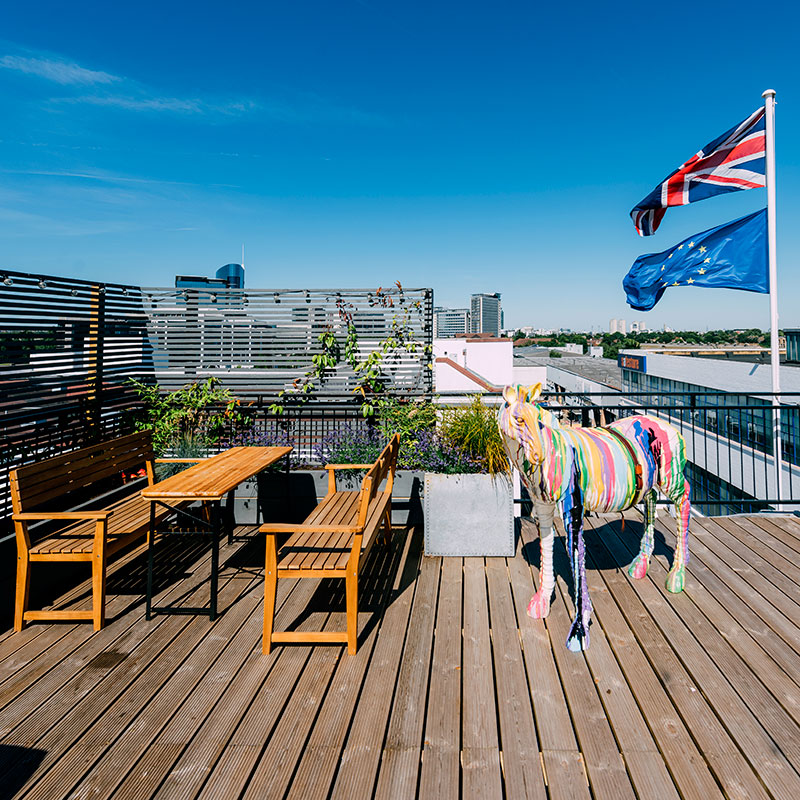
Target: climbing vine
<point>370,370</point>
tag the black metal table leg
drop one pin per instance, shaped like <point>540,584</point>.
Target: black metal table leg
<point>150,545</point>
<point>215,534</point>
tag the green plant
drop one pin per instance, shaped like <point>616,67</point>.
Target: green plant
<point>184,446</point>
<point>474,432</point>
<point>369,370</point>
<point>189,413</point>
<point>406,417</point>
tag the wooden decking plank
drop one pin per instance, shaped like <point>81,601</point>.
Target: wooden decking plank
<point>153,754</point>
<point>685,762</point>
<point>203,740</point>
<point>760,540</point>
<point>277,763</point>
<point>19,649</point>
<point>400,760</point>
<point>441,756</point>
<point>762,674</point>
<point>148,716</point>
<point>40,683</point>
<point>317,767</point>
<point>776,535</point>
<point>752,623</point>
<point>362,752</point>
<point>640,752</point>
<point>771,695</point>
<point>782,574</point>
<point>563,762</point>
<point>257,730</point>
<point>790,524</point>
<point>720,750</point>
<point>103,718</point>
<point>745,582</point>
<point>481,772</point>
<point>522,766</point>
<point>605,767</point>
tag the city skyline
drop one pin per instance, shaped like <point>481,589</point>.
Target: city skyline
<point>337,159</point>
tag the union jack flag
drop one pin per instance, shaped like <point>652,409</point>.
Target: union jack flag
<point>734,161</point>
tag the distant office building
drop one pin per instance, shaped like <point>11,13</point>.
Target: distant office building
<point>231,276</point>
<point>450,322</point>
<point>620,326</point>
<point>486,315</point>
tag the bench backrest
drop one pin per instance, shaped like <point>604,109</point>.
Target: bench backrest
<point>35,484</point>
<point>383,469</point>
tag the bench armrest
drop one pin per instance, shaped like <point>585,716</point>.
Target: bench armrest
<point>349,466</point>
<point>280,527</point>
<point>78,515</point>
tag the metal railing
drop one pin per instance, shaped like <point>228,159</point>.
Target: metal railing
<point>728,437</point>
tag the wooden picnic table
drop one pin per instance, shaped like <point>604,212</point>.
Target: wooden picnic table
<point>208,481</point>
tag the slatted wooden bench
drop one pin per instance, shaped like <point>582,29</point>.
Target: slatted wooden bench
<point>89,535</point>
<point>332,542</point>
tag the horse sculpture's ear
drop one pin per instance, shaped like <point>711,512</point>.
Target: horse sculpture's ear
<point>533,392</point>
<point>509,394</point>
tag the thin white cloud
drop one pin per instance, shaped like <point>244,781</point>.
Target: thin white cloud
<point>125,94</point>
<point>66,73</point>
<point>108,177</point>
<point>175,105</point>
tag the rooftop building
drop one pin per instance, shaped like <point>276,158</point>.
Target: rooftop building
<point>486,314</point>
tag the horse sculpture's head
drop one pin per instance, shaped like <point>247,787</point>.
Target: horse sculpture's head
<point>522,419</point>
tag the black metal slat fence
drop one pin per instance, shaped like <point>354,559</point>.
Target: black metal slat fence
<point>68,349</point>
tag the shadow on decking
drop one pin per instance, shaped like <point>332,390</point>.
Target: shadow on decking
<point>601,558</point>
<point>30,757</point>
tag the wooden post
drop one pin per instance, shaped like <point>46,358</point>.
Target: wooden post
<point>94,365</point>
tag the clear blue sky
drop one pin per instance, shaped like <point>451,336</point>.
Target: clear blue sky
<point>464,146</point>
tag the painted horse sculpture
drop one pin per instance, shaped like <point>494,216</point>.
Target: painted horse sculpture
<point>593,469</point>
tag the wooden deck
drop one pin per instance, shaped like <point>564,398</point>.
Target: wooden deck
<point>454,690</point>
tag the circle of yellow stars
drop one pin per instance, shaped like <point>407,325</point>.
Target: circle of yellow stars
<point>701,271</point>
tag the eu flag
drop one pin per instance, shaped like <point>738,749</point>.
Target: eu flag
<point>730,256</point>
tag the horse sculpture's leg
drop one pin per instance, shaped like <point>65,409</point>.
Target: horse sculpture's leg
<point>639,565</point>
<point>683,509</point>
<point>578,638</point>
<point>539,607</point>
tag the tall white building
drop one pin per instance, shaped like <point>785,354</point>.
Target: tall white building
<point>618,326</point>
<point>486,315</point>
<point>449,322</point>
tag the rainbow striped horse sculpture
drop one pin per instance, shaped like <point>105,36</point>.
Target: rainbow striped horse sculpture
<point>597,469</point>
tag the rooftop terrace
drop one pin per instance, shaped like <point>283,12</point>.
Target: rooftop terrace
<point>454,690</point>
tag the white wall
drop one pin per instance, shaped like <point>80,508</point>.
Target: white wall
<point>492,360</point>
<point>528,376</point>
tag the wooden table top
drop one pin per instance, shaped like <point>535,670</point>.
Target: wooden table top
<point>213,478</point>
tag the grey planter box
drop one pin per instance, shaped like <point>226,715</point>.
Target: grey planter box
<point>469,515</point>
<point>291,498</point>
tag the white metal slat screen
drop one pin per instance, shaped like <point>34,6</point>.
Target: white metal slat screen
<point>257,342</point>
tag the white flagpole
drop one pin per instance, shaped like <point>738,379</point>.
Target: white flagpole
<point>769,107</point>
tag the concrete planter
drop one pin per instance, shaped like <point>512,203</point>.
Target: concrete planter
<point>290,498</point>
<point>469,515</point>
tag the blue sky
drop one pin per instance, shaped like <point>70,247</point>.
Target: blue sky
<point>464,146</point>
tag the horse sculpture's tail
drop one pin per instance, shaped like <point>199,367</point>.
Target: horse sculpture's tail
<point>665,445</point>
<point>578,638</point>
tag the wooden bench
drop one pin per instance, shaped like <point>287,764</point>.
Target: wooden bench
<point>332,542</point>
<point>89,535</point>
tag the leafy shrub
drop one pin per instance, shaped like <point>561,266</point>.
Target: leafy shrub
<point>189,413</point>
